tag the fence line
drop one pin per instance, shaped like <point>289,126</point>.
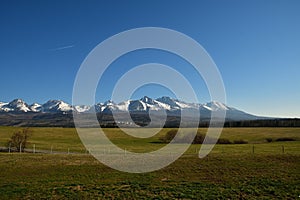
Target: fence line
<point>254,149</point>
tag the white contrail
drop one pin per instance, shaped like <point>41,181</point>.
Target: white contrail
<point>62,47</point>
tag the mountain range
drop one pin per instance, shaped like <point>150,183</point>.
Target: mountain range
<point>143,105</point>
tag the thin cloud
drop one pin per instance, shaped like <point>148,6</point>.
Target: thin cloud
<point>62,47</point>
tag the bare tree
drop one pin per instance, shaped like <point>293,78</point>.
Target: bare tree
<point>19,139</point>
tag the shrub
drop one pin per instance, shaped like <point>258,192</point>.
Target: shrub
<point>183,137</point>
<point>285,139</point>
<point>186,137</point>
<point>240,142</point>
<point>168,136</point>
<point>199,138</point>
<point>269,139</point>
<point>223,141</point>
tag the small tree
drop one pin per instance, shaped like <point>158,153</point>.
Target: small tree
<point>19,139</point>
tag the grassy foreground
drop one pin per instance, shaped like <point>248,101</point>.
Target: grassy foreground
<point>229,172</point>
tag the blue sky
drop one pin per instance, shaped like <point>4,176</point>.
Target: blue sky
<point>255,44</point>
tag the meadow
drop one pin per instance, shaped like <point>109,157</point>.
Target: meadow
<point>257,170</point>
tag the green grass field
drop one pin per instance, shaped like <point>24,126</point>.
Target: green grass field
<point>230,171</point>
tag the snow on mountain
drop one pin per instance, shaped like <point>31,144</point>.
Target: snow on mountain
<point>168,101</point>
<point>99,107</point>
<point>35,107</point>
<point>109,103</point>
<point>145,104</point>
<point>164,106</point>
<point>82,108</point>
<point>177,104</point>
<point>56,105</point>
<point>215,106</point>
<point>148,100</point>
<point>17,105</point>
<point>155,104</point>
<point>137,105</point>
<point>2,107</point>
<point>123,106</point>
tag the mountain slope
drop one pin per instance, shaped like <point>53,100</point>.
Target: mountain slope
<point>17,105</point>
<point>56,106</point>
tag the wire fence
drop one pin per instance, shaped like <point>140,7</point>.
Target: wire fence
<point>193,150</point>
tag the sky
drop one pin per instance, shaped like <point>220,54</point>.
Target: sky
<point>255,45</point>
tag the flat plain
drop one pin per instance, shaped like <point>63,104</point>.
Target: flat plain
<point>256,170</point>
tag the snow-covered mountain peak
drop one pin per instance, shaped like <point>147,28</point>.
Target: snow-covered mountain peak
<point>56,105</point>
<point>148,100</point>
<point>17,105</point>
<point>173,107</point>
<point>82,108</point>
<point>16,101</point>
<point>165,99</point>
<point>215,106</point>
<point>35,107</point>
<point>169,101</point>
<point>35,104</point>
<point>144,104</point>
<point>109,102</point>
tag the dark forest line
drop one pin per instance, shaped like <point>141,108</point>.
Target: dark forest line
<point>107,121</point>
